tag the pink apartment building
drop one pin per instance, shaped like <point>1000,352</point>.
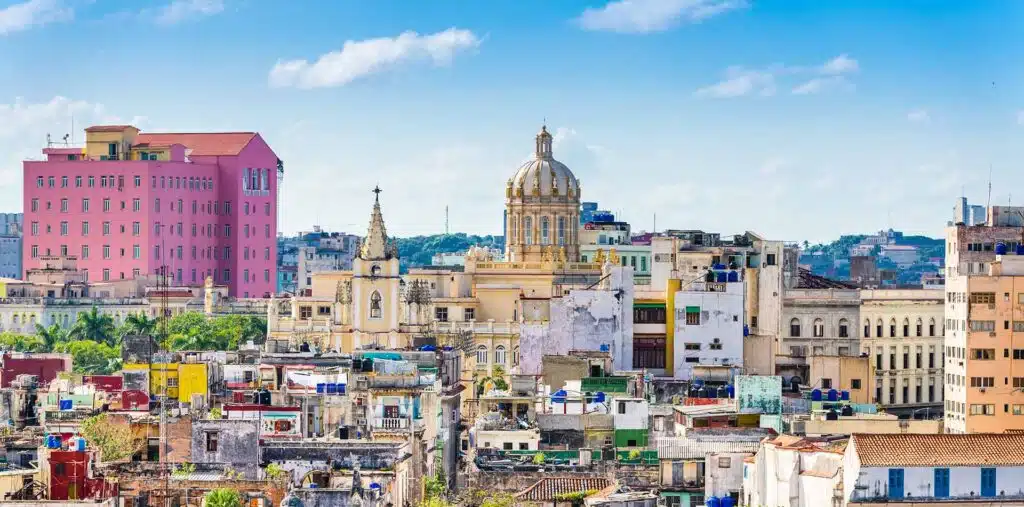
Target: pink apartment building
<point>130,203</point>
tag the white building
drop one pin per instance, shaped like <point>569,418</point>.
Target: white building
<point>934,468</point>
<point>708,326</point>
<point>901,255</point>
<point>790,471</point>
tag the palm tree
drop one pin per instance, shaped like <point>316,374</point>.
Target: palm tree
<point>52,335</point>
<point>140,324</point>
<point>94,326</point>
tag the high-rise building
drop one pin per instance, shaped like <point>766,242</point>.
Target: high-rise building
<point>130,203</point>
<point>984,329</point>
<point>10,245</point>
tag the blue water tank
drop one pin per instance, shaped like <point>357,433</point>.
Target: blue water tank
<point>833,395</point>
<point>332,389</point>
<point>559,396</point>
<point>746,330</point>
<point>446,347</point>
<point>698,382</point>
<point>731,390</point>
<point>80,444</point>
<point>53,441</point>
<point>65,404</point>
<point>718,267</point>
<point>734,276</point>
<point>428,348</point>
<point>727,501</point>
<point>712,392</point>
<point>713,501</point>
<point>1019,250</point>
<point>321,388</point>
<point>341,388</point>
<point>845,395</point>
<point>374,485</point>
<point>599,398</point>
<point>702,392</point>
<point>721,276</point>
<point>1000,248</point>
<point>816,395</point>
<point>605,347</point>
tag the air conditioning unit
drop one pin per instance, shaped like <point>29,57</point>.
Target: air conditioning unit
<point>992,333</point>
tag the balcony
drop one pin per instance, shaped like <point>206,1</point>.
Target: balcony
<point>290,325</point>
<point>396,424</point>
<point>489,327</point>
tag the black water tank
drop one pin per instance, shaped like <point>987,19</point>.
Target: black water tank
<point>832,415</point>
<point>304,347</point>
<point>264,397</point>
<point>847,411</point>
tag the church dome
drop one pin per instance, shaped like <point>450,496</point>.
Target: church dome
<point>543,176</point>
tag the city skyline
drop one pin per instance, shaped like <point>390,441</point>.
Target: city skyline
<point>648,102</point>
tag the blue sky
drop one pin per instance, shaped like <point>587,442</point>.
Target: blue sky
<point>799,119</point>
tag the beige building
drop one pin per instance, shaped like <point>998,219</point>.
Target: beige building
<point>843,373</point>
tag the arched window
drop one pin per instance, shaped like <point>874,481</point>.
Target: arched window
<point>920,327</point>
<point>892,328</point>
<point>794,328</point>
<point>931,327</point>
<point>499,354</point>
<point>481,355</point>
<point>819,328</point>
<point>844,328</point>
<point>561,230</point>
<point>515,356</point>
<point>878,329</point>
<point>545,231</point>
<point>906,327</point>
<point>528,230</point>
<point>375,311</point>
<point>867,328</point>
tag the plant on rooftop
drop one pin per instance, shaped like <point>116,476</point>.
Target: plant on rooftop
<point>223,497</point>
<point>215,413</point>
<point>538,459</point>
<point>575,498</point>
<point>114,439</point>
<point>275,472</point>
<point>634,454</point>
<point>435,486</point>
<point>183,470</point>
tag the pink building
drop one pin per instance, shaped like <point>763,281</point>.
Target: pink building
<point>131,203</point>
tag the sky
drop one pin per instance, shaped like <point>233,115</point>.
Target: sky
<point>796,119</point>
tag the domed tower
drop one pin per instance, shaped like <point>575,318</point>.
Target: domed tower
<point>542,205</point>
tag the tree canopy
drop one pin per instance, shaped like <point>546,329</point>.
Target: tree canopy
<point>420,250</point>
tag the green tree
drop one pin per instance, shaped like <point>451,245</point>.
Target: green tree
<point>91,357</point>
<point>22,343</point>
<point>223,497</point>
<point>114,439</point>
<point>140,324</point>
<point>53,335</point>
<point>95,326</point>
<point>276,473</point>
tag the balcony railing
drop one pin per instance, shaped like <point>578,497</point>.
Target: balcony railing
<point>396,423</point>
<point>489,327</point>
<point>287,325</point>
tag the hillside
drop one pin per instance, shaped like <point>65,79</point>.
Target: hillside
<point>419,250</point>
<point>833,259</point>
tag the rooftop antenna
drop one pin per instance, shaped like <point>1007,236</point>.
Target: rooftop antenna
<point>446,220</point>
<point>49,142</point>
<point>988,202</point>
<point>72,128</point>
<point>66,136</point>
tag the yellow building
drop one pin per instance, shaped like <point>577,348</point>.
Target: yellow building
<point>180,381</point>
<point>479,308</point>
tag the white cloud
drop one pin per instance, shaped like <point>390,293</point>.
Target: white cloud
<point>919,116</point>
<point>25,15</point>
<point>841,64</point>
<point>645,16</point>
<point>742,81</point>
<point>359,59</point>
<point>184,10</point>
<point>821,84</point>
<point>772,166</point>
<point>1020,117</point>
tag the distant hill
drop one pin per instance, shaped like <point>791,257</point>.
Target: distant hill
<point>419,250</point>
<point>833,259</point>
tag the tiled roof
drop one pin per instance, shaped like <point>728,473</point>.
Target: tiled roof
<point>221,143</point>
<point>810,280</point>
<point>545,490</point>
<point>940,450</point>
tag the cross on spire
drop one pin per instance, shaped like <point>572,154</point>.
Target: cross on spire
<point>376,191</point>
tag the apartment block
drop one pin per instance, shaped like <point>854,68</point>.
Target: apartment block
<point>129,203</point>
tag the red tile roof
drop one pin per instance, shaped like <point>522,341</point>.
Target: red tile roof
<point>211,144</point>
<point>545,490</point>
<point>977,449</point>
<point>810,280</point>
<point>110,128</point>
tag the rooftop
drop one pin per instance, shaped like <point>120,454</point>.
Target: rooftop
<point>978,449</point>
<point>209,144</point>
<point>810,280</point>
<point>545,490</point>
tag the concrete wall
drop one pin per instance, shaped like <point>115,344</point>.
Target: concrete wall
<point>720,331</point>
<point>237,441</point>
<point>557,370</point>
<point>759,354</point>
<point>920,481</point>
<point>870,424</point>
<point>759,394</point>
<point>723,473</point>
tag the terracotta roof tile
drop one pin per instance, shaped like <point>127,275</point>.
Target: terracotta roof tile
<point>209,144</point>
<point>940,450</point>
<point>109,128</point>
<point>809,280</point>
<point>545,490</point>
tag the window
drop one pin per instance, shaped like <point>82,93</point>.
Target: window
<point>983,354</point>
<point>983,325</point>
<point>136,228</point>
<point>692,315</point>
<point>92,181</point>
<point>855,384</point>
<point>878,329</point>
<point>39,182</point>
<point>63,205</point>
<point>826,383</point>
<point>35,228</point>
<point>983,298</point>
<point>794,328</point>
<point>481,355</point>
<point>528,230</point>
<point>648,315</point>
<point>441,314</point>
<point>844,326</point>
<point>499,354</point>
<point>35,204</point>
<point>63,228</point>
<point>375,309</point>
<point>892,328</point>
<point>106,251</point>
<point>106,205</point>
<point>136,252</point>
<point>35,251</point>
<point>106,275</point>
<point>770,259</point>
<point>724,462</point>
<point>211,441</point>
<point>85,251</point>
<point>468,314</point>
<point>50,180</point>
<point>266,230</point>
<point>305,312</point>
<point>266,209</point>
<point>983,381</point>
<point>819,328</point>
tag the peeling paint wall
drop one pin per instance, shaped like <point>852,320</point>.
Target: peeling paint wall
<point>237,442</point>
<point>721,318</point>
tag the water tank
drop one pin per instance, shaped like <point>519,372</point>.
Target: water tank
<point>719,267</point>
<point>304,347</point>
<point>331,388</point>
<point>731,390</point>
<point>734,276</point>
<point>712,392</point>
<point>1000,248</point>
<point>79,444</point>
<point>727,501</point>
<point>816,395</point>
<point>599,398</point>
<point>559,396</point>
<point>847,411</point>
<point>1019,250</point>
<point>710,277</point>
<point>428,348</point>
<point>605,347</point>
<point>746,330</point>
<point>833,395</point>
<point>713,501</point>
<point>53,441</point>
<point>723,392</point>
<point>698,382</point>
<point>722,276</point>
<point>702,392</point>
<point>694,391</point>
<point>321,388</point>
<point>265,397</point>
<point>845,395</point>
<point>256,398</point>
<point>66,404</point>
<point>832,415</point>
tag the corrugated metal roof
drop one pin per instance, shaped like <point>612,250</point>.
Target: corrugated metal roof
<point>697,448</point>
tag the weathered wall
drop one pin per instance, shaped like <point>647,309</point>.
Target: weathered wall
<point>557,370</point>
<point>759,394</point>
<point>759,355</point>
<point>718,338</point>
<point>237,442</point>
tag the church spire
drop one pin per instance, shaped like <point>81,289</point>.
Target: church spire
<point>375,245</point>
